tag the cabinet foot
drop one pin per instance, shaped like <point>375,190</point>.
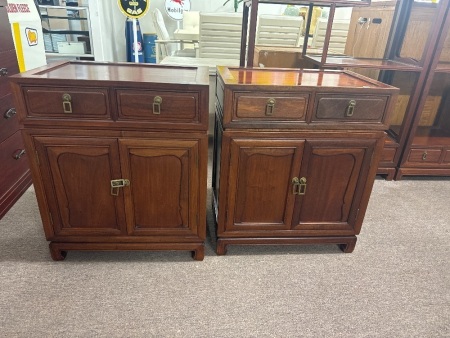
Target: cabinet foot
<point>349,246</point>
<point>346,243</point>
<point>56,253</point>
<point>199,253</point>
<point>221,247</point>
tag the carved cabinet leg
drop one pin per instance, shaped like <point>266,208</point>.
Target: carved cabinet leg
<point>56,253</point>
<point>199,253</point>
<point>349,246</point>
<point>221,248</point>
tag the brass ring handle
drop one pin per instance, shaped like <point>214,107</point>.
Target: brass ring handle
<point>157,101</point>
<point>424,156</point>
<point>9,113</point>
<point>3,71</point>
<point>270,106</point>
<point>19,154</point>
<point>67,103</point>
<point>350,108</point>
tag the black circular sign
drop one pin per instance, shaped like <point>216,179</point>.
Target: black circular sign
<point>134,8</point>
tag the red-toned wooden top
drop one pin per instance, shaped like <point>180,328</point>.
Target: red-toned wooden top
<point>292,77</point>
<point>118,72</point>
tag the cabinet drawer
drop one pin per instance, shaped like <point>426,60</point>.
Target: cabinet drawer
<point>270,106</point>
<point>350,108</point>
<point>424,155</point>
<point>388,155</point>
<point>8,120</point>
<point>9,66</point>
<point>89,103</point>
<point>158,106</point>
<point>13,162</point>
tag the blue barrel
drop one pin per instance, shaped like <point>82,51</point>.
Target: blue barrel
<point>130,39</point>
<point>150,48</point>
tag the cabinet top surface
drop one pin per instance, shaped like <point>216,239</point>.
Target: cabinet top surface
<point>119,72</point>
<point>296,78</point>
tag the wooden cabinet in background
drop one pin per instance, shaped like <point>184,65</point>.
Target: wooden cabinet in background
<point>15,173</point>
<point>295,155</point>
<point>124,165</point>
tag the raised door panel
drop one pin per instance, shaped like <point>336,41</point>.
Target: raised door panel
<point>259,195</point>
<point>77,174</point>
<point>335,172</point>
<point>163,196</point>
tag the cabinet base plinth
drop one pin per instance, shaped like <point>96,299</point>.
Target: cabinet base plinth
<point>59,250</point>
<point>389,173</point>
<point>346,244</point>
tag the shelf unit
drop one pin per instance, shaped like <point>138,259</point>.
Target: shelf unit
<point>67,31</point>
<point>412,31</point>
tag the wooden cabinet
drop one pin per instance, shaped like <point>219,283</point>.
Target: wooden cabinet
<point>302,182</point>
<point>15,174</point>
<point>123,166</point>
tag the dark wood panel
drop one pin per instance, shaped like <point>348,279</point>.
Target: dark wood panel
<point>338,108</point>
<point>260,183</point>
<point>77,176</point>
<point>13,162</point>
<point>164,186</point>
<point>8,62</point>
<point>143,104</point>
<point>9,122</point>
<point>6,38</point>
<point>270,106</point>
<point>84,103</point>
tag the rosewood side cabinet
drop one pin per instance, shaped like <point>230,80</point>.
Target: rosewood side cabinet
<point>118,154</point>
<point>296,154</point>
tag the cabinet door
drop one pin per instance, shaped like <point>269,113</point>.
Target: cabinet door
<point>163,197</point>
<point>259,193</point>
<point>335,172</point>
<point>77,174</point>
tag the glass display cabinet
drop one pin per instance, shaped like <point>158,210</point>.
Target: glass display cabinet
<point>398,43</point>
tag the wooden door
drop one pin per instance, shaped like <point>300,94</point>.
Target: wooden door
<point>163,196</point>
<point>77,174</point>
<point>259,192</point>
<point>335,172</point>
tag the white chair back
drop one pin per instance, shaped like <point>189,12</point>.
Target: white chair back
<point>220,35</point>
<point>279,30</point>
<point>163,34</point>
<point>338,39</point>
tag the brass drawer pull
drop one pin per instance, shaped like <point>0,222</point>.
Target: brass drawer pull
<point>116,184</point>
<point>299,186</point>
<point>9,113</point>
<point>424,156</point>
<point>350,108</point>
<point>67,103</point>
<point>19,154</point>
<point>3,71</point>
<point>270,106</point>
<point>157,101</point>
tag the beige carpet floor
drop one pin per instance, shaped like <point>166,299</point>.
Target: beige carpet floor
<point>395,284</point>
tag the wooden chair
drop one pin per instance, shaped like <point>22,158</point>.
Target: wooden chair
<point>165,46</point>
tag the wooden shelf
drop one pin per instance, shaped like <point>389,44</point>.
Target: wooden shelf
<point>431,136</point>
<point>443,67</point>
<point>350,62</point>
